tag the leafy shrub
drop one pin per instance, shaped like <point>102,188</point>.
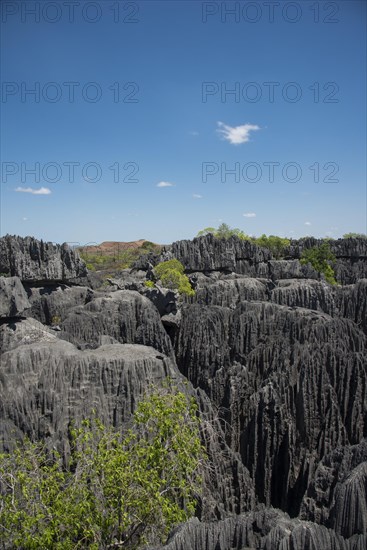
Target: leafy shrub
<point>117,491</point>
<point>149,284</point>
<point>319,257</point>
<point>56,320</point>
<point>224,231</point>
<point>171,274</point>
<point>354,235</point>
<point>276,245</point>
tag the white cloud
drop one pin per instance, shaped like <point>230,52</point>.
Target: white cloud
<point>308,223</point>
<point>194,133</point>
<point>24,219</point>
<point>236,134</point>
<point>165,184</point>
<point>196,196</point>
<point>249,215</point>
<point>40,191</point>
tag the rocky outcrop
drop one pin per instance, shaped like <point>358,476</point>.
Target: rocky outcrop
<point>51,304</point>
<point>17,332</point>
<point>337,494</point>
<point>291,383</point>
<point>210,254</point>
<point>228,487</point>
<point>305,293</point>
<point>13,298</point>
<point>46,384</point>
<point>206,254</point>
<point>38,261</point>
<point>124,315</point>
<point>261,530</point>
<point>229,291</point>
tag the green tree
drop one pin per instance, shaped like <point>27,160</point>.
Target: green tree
<point>207,231</point>
<point>120,490</point>
<point>354,235</point>
<point>171,274</point>
<point>224,231</point>
<point>320,257</point>
<point>276,245</point>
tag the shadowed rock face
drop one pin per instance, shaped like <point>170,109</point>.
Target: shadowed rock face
<point>51,304</point>
<point>38,261</point>
<point>275,357</point>
<point>13,298</point>
<point>337,494</point>
<point>292,383</point>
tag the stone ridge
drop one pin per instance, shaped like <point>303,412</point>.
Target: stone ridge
<point>39,262</point>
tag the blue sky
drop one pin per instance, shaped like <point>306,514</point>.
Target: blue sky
<point>151,87</point>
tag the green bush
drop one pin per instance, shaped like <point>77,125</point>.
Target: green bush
<point>276,245</point>
<point>171,274</point>
<point>320,257</point>
<point>149,284</point>
<point>224,231</point>
<point>353,235</point>
<point>119,490</point>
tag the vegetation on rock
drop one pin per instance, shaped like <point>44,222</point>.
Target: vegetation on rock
<point>320,257</point>
<point>122,259</point>
<point>118,490</point>
<point>171,274</point>
<point>276,245</point>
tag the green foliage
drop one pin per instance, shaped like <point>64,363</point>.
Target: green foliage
<point>207,231</point>
<point>56,320</point>
<point>224,231</point>
<point>354,235</point>
<point>148,246</point>
<point>149,284</point>
<point>171,274</point>
<point>124,490</point>
<point>320,257</point>
<point>276,245</point>
<point>124,259</point>
<point>163,267</point>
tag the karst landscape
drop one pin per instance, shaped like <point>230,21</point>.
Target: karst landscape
<point>273,354</point>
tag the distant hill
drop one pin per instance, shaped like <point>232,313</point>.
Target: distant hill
<point>111,248</point>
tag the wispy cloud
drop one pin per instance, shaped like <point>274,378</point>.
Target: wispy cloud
<point>24,219</point>
<point>196,196</point>
<point>308,223</point>
<point>249,215</point>
<point>165,184</point>
<point>194,133</point>
<point>236,134</point>
<point>40,191</point>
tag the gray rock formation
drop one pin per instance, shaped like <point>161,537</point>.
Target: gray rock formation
<point>37,261</point>
<point>337,494</point>
<point>13,298</point>
<point>46,384</point>
<point>292,383</point>
<point>51,304</point>
<point>17,332</point>
<point>207,254</point>
<point>261,530</point>
<point>276,357</point>
<point>124,315</point>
